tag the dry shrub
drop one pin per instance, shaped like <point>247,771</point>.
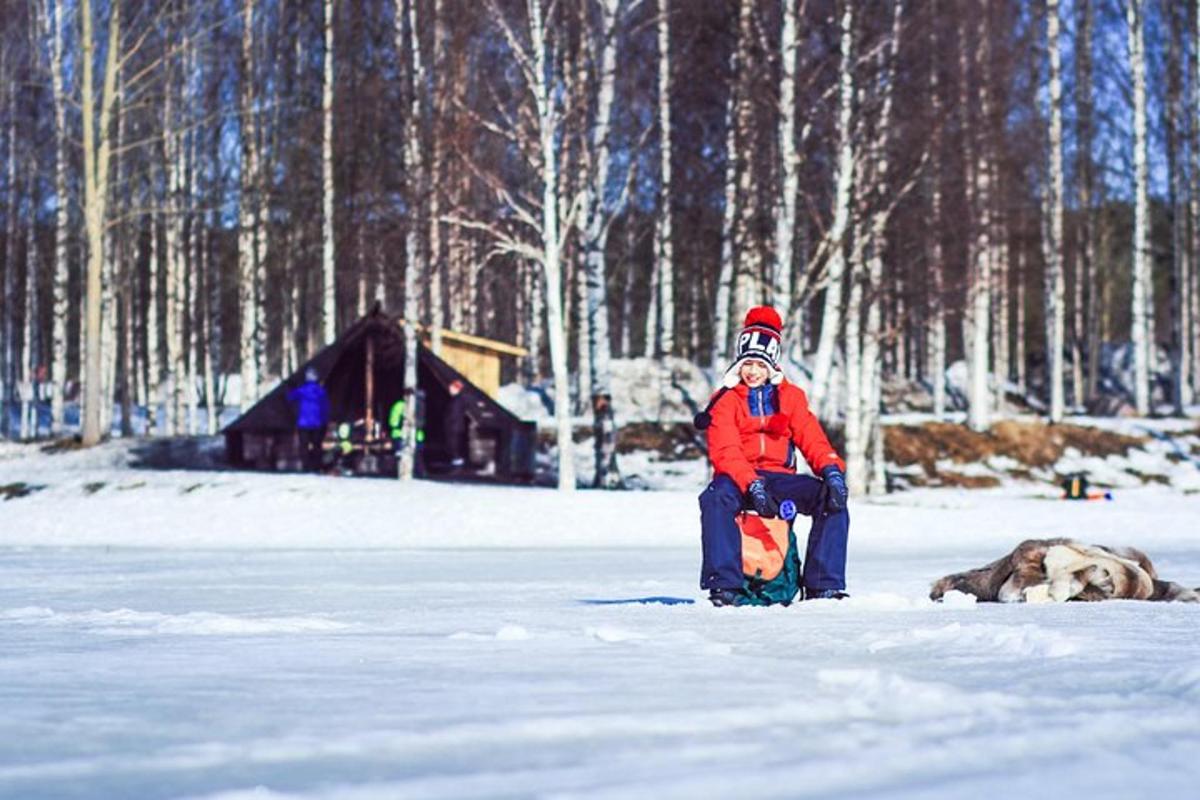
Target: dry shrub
<point>968,481</point>
<point>1032,444</point>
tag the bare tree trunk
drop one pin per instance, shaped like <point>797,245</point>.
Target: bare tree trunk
<point>871,365</point>
<point>1055,339</point>
<point>1181,266</point>
<point>328,263</point>
<point>30,326</point>
<point>548,124</point>
<point>789,156</point>
<point>844,178</point>
<point>978,312</point>
<point>250,223</point>
<point>415,269</point>
<point>9,300</point>
<point>722,322</point>
<point>1141,330</point>
<point>97,144</point>
<point>1085,172</point>
<point>58,348</point>
<point>174,291</point>
<point>1193,282</point>
<point>664,264</point>
<point>749,286</point>
<point>595,276</point>
<point>1019,356</point>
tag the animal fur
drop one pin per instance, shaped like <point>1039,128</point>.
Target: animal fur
<point>1057,570</point>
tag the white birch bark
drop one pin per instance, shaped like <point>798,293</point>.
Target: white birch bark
<point>789,156</point>
<point>97,145</point>
<point>173,317</point>
<point>1055,340</point>
<point>595,276</point>
<point>415,269</point>
<point>328,277</point>
<point>979,301</point>
<point>154,353</point>
<point>62,221</point>
<point>1140,331</point>
<point>548,123</point>
<point>29,323</point>
<point>249,221</point>
<point>210,296</point>
<point>8,301</point>
<point>114,254</point>
<point>843,182</point>
<point>663,247</point>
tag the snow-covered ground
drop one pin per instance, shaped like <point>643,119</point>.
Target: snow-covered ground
<point>227,635</point>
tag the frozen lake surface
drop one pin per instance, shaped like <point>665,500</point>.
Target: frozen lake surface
<point>359,673</point>
<point>232,636</point>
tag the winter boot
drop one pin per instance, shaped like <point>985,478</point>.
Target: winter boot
<point>725,597</point>
<point>826,594</point>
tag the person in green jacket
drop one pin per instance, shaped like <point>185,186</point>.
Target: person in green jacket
<point>396,429</point>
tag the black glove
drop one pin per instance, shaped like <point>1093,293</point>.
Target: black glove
<point>835,489</point>
<point>762,503</point>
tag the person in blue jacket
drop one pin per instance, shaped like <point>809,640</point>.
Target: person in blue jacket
<point>312,415</point>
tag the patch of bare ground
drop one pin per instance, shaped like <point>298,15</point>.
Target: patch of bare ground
<point>1031,444</point>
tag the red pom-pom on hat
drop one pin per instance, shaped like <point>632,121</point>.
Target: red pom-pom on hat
<point>764,315</point>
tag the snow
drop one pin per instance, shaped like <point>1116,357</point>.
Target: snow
<point>191,634</point>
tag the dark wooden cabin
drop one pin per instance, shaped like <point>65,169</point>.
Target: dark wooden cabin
<point>363,373</point>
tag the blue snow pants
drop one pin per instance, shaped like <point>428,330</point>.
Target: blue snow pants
<point>721,541</point>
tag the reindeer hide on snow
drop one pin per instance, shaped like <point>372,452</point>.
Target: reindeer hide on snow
<point>1056,570</point>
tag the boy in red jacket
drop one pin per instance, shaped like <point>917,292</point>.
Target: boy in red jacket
<point>758,422</point>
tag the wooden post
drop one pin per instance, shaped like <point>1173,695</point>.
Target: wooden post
<point>369,416</point>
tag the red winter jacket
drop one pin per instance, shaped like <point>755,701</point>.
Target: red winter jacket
<point>740,443</point>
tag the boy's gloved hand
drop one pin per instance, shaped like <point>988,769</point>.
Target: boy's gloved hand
<point>760,500</point>
<point>835,489</point>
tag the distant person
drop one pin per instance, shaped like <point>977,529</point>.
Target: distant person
<point>312,415</point>
<point>396,430</point>
<point>455,425</point>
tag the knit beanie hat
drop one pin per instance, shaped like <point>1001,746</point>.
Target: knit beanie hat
<point>760,340</point>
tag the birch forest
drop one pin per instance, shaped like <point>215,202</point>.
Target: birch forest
<point>993,205</point>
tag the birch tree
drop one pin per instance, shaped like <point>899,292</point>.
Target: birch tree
<point>62,218</point>
<point>545,214</point>
<point>831,319</point>
<point>1193,115</point>
<point>1175,113</point>
<point>415,269</point>
<point>595,244</point>
<point>328,263</point>
<point>1054,291</point>
<point>1140,330</point>
<point>97,145</point>
<point>789,158</point>
<point>1086,176</point>
<point>251,223</point>
<point>664,262</point>
<point>722,322</point>
<point>933,233</point>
